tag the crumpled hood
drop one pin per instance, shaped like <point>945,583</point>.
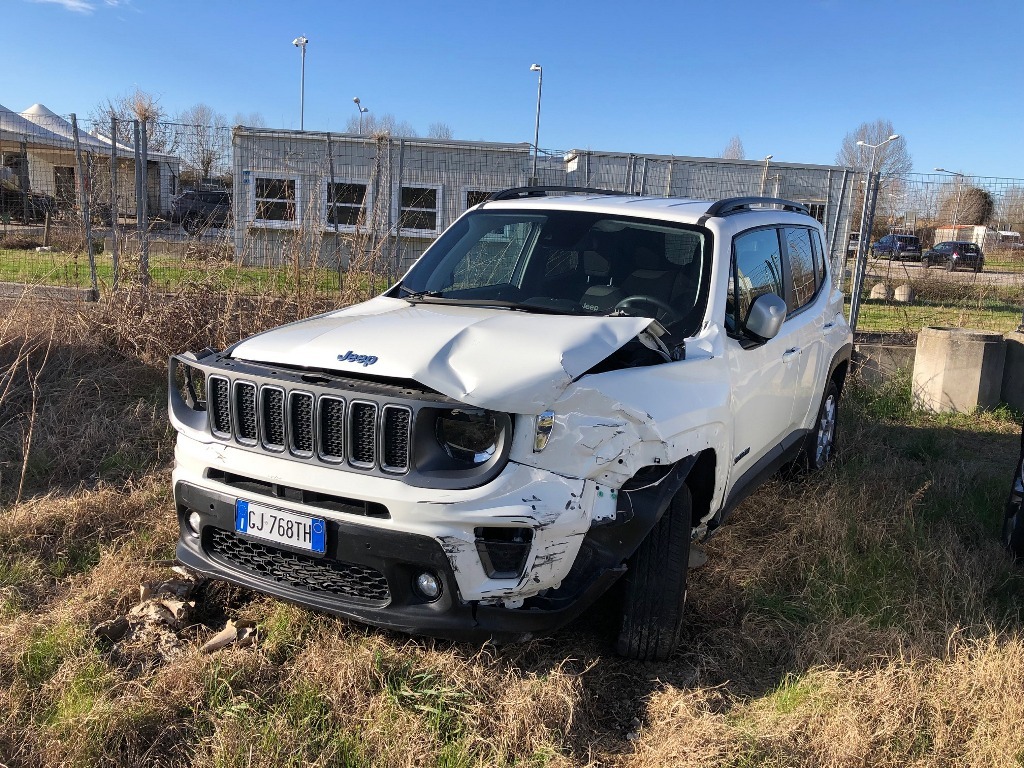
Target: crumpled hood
<point>504,360</point>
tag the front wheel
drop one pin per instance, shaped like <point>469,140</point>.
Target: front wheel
<point>655,586</point>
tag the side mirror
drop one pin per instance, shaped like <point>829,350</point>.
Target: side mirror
<point>765,318</point>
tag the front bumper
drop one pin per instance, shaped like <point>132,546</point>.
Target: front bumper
<point>368,574</point>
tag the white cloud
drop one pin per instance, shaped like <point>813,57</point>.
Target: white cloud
<point>78,6</point>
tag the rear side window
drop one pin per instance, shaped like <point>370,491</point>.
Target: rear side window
<point>819,256</point>
<point>757,269</point>
<point>801,267</point>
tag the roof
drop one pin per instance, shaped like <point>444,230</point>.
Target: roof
<point>277,133</point>
<point>676,209</point>
<point>38,126</point>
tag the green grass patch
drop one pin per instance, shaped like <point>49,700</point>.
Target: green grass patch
<point>47,649</point>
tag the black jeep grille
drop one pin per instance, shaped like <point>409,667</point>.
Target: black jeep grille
<point>396,437</point>
<point>245,399</point>
<point>220,405</point>
<point>272,404</point>
<point>332,429</point>
<point>363,449</point>
<point>302,422</point>
<point>318,575</point>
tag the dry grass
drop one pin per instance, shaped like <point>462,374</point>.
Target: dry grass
<point>863,617</point>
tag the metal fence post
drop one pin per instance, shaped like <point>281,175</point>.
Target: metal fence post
<point>397,253</point>
<point>143,204</point>
<point>862,259</point>
<point>835,219</point>
<point>668,181</point>
<point>115,253</point>
<point>83,192</point>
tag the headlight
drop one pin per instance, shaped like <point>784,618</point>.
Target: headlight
<point>469,437</point>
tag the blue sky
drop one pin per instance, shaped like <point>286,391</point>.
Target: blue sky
<point>789,78</point>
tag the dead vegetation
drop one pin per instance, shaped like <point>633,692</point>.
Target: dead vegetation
<point>863,617</point>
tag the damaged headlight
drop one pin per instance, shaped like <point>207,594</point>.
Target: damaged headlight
<point>469,437</point>
<point>191,384</point>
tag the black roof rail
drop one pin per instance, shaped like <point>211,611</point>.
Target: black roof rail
<point>736,204</point>
<point>515,193</point>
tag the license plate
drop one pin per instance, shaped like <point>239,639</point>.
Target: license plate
<point>281,527</point>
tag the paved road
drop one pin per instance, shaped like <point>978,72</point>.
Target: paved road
<point>898,271</point>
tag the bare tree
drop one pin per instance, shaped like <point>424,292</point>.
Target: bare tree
<point>204,142</point>
<point>249,119</point>
<point>734,149</point>
<point>966,205</point>
<point>136,105</point>
<point>381,124</point>
<point>1011,209</point>
<point>440,130</point>
<point>891,160</point>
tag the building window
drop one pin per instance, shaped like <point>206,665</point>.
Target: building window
<point>345,201</point>
<point>64,185</point>
<point>418,209</point>
<point>475,197</point>
<point>275,199</point>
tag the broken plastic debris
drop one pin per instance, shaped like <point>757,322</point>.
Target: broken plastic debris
<point>237,632</point>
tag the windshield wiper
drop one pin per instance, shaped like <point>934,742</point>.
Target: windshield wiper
<point>412,296</point>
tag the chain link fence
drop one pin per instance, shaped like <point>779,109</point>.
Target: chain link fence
<point>89,208</point>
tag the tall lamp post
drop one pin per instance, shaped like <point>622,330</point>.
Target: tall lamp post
<point>536,126</point>
<point>956,204</point>
<point>764,176</point>
<point>300,42</point>
<point>865,230</point>
<point>362,111</point>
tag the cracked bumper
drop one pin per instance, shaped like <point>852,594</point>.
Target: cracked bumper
<point>426,530</point>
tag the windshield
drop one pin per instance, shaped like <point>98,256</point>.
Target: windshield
<point>568,262</point>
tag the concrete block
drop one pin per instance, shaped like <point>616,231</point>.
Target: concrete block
<point>879,363</point>
<point>958,369</point>
<point>904,294</point>
<point>1013,371</point>
<point>881,291</point>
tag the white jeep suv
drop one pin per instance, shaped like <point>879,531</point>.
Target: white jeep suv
<point>563,392</point>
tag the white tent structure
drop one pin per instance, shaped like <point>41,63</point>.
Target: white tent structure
<point>38,147</point>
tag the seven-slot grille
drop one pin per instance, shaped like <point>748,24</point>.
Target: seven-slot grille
<point>360,433</point>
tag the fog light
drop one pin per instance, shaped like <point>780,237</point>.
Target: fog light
<point>194,523</point>
<point>428,585</point>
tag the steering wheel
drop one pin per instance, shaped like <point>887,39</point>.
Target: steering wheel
<point>670,315</point>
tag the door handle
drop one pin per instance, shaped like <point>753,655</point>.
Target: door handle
<point>790,354</point>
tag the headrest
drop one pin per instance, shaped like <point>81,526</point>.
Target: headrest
<point>596,265</point>
<point>645,258</point>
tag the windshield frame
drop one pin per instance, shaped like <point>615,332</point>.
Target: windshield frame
<point>554,232</point>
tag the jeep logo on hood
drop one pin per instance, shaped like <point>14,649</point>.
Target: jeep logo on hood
<point>352,357</point>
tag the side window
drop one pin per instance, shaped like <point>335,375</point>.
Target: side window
<point>757,269</point>
<point>801,266</point>
<point>819,256</point>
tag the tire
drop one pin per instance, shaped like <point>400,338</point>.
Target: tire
<point>655,586</point>
<point>820,444</point>
<point>977,266</point>
<point>925,263</point>
<point>950,266</point>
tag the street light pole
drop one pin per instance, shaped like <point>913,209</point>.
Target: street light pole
<point>764,176</point>
<point>865,230</point>
<point>300,42</point>
<point>956,204</point>
<point>536,126</point>
<point>362,110</point>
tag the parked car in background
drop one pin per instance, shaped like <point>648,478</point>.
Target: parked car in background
<point>197,210</point>
<point>954,254</point>
<point>898,247</point>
